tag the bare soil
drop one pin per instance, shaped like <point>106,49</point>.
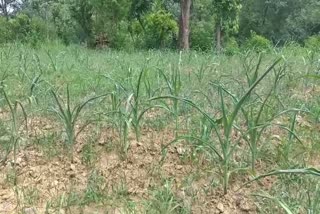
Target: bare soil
<point>41,179</point>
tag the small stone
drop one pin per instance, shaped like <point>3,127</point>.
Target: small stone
<point>72,167</point>
<point>181,150</point>
<point>102,142</point>
<point>178,167</point>
<point>244,206</point>
<point>29,210</point>
<point>39,155</point>
<point>19,160</point>
<point>220,207</point>
<point>276,137</point>
<point>76,160</point>
<point>152,153</point>
<point>55,183</point>
<point>47,127</point>
<point>61,211</point>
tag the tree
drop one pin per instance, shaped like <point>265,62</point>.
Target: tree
<point>107,17</point>
<point>184,21</point>
<point>304,21</point>
<point>201,30</point>
<point>82,12</point>
<point>160,28</point>
<point>7,6</point>
<point>227,16</point>
<point>138,8</point>
<point>280,20</point>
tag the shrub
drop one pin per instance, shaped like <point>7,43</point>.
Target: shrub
<point>137,33</point>
<point>231,46</point>
<point>313,42</point>
<point>258,43</point>
<point>6,33</point>
<point>121,38</point>
<point>39,32</point>
<point>201,37</point>
<point>161,29</point>
<point>20,26</point>
<point>30,30</point>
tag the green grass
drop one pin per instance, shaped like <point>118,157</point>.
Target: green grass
<point>246,115</point>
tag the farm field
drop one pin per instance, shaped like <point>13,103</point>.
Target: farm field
<point>99,131</point>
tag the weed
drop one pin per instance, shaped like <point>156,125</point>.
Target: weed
<point>164,201</point>
<point>94,192</point>
<point>48,145</point>
<point>89,155</point>
<point>31,196</point>
<point>120,190</point>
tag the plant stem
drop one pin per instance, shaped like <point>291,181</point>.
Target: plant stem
<point>225,175</point>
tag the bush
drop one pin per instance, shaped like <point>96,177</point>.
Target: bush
<point>20,26</point>
<point>201,37</point>
<point>6,33</point>
<point>30,30</point>
<point>161,29</point>
<point>313,42</point>
<point>231,46</point>
<point>137,34</point>
<point>121,38</point>
<point>258,43</point>
<point>39,32</point>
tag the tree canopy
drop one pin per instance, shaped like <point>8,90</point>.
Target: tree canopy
<point>195,24</point>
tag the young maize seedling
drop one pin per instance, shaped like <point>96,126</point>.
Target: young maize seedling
<point>69,117</point>
<point>133,111</point>
<point>227,146</point>
<point>15,136</point>
<point>253,111</point>
<point>174,84</point>
<point>14,133</point>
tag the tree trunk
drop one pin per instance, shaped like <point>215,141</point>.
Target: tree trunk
<point>184,31</point>
<point>218,37</point>
<point>4,8</point>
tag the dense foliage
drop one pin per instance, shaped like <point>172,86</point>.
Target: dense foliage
<point>145,24</point>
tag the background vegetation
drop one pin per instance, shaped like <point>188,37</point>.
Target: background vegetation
<point>158,24</point>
